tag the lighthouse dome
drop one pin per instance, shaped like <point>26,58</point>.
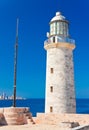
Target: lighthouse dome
<point>58,17</point>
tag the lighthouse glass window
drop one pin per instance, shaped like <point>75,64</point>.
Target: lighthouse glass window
<point>61,27</point>
<point>66,29</point>
<point>58,28</point>
<point>53,28</point>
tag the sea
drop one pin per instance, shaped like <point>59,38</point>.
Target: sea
<point>38,105</point>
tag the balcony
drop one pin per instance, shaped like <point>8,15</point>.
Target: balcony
<point>59,39</point>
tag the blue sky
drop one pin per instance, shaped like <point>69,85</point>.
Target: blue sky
<point>34,17</point>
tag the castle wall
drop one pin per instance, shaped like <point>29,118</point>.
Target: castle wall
<point>56,119</point>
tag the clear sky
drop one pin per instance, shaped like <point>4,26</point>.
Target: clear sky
<point>34,17</point>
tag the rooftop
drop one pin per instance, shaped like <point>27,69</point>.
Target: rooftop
<point>58,16</point>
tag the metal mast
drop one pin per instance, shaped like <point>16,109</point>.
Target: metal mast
<point>15,64</point>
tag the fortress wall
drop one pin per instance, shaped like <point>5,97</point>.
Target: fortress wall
<point>56,119</point>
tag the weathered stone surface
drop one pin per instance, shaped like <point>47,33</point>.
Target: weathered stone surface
<point>15,109</point>
<point>1,110</point>
<point>15,116</point>
<point>56,119</point>
<point>62,99</point>
<point>69,124</point>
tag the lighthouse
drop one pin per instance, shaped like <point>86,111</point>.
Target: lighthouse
<point>60,90</point>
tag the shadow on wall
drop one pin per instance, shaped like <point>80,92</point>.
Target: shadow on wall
<point>2,120</point>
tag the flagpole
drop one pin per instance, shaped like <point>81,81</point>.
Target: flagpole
<point>15,64</point>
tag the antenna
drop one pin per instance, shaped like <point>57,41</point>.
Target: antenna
<point>15,64</point>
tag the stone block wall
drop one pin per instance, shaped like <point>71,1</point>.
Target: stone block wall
<point>62,99</point>
<point>56,119</point>
<point>13,116</point>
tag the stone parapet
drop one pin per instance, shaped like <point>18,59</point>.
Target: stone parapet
<point>15,109</point>
<point>56,119</point>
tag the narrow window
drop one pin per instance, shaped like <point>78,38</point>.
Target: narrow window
<point>51,70</point>
<point>53,39</point>
<point>51,109</point>
<point>51,89</point>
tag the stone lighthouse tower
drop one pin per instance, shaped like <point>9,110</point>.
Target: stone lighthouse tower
<point>60,93</point>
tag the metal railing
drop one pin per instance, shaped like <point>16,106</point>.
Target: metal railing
<point>59,39</point>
